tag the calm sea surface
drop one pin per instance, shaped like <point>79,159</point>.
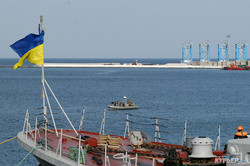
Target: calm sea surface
<point>205,98</point>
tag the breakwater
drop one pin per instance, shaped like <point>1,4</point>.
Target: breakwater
<point>129,65</point>
<point>193,65</point>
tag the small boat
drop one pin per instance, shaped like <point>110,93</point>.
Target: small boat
<point>123,105</point>
<point>234,67</point>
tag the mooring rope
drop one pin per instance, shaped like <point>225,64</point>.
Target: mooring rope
<point>28,154</point>
<point>8,140</point>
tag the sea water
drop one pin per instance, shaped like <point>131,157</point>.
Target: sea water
<point>206,98</point>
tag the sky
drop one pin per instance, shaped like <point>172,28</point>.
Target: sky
<point>124,28</point>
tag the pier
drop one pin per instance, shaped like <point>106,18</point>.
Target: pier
<point>193,65</point>
<point>130,65</point>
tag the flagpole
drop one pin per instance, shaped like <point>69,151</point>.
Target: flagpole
<point>43,92</point>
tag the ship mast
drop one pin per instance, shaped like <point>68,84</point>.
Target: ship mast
<point>43,95</point>
<point>43,91</point>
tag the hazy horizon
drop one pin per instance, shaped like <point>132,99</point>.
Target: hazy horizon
<point>124,29</point>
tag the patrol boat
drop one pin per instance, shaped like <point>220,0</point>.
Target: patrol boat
<point>123,105</point>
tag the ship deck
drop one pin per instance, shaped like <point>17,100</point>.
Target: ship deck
<point>154,151</point>
<point>148,154</point>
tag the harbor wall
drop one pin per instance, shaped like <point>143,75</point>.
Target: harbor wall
<point>89,65</point>
<point>193,65</point>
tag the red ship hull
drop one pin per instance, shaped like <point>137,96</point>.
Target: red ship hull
<point>229,68</point>
<point>153,153</point>
<point>233,67</point>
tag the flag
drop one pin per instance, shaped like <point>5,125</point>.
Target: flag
<point>31,48</point>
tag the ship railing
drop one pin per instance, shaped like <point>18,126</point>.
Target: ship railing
<point>157,136</point>
<point>157,131</point>
<point>59,145</point>
<point>35,131</point>
<point>81,122</point>
<point>217,144</point>
<point>185,139</point>
<point>126,127</point>
<point>107,163</point>
<point>103,123</point>
<point>80,151</point>
<point>153,164</point>
<point>26,126</point>
<point>28,130</point>
<point>126,158</point>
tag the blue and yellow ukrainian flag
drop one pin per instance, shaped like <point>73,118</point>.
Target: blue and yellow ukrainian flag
<point>31,48</point>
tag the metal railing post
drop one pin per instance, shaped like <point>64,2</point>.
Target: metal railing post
<point>79,149</point>
<point>217,144</point>
<point>35,131</point>
<point>103,123</point>
<point>184,134</point>
<point>81,123</point>
<point>126,127</point>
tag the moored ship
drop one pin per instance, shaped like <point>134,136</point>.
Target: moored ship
<point>234,67</point>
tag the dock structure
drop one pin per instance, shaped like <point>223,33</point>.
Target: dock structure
<point>129,65</point>
<point>187,52</point>
<point>194,65</point>
<point>204,51</point>
<point>241,51</point>
<point>223,51</point>
<point>181,65</point>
